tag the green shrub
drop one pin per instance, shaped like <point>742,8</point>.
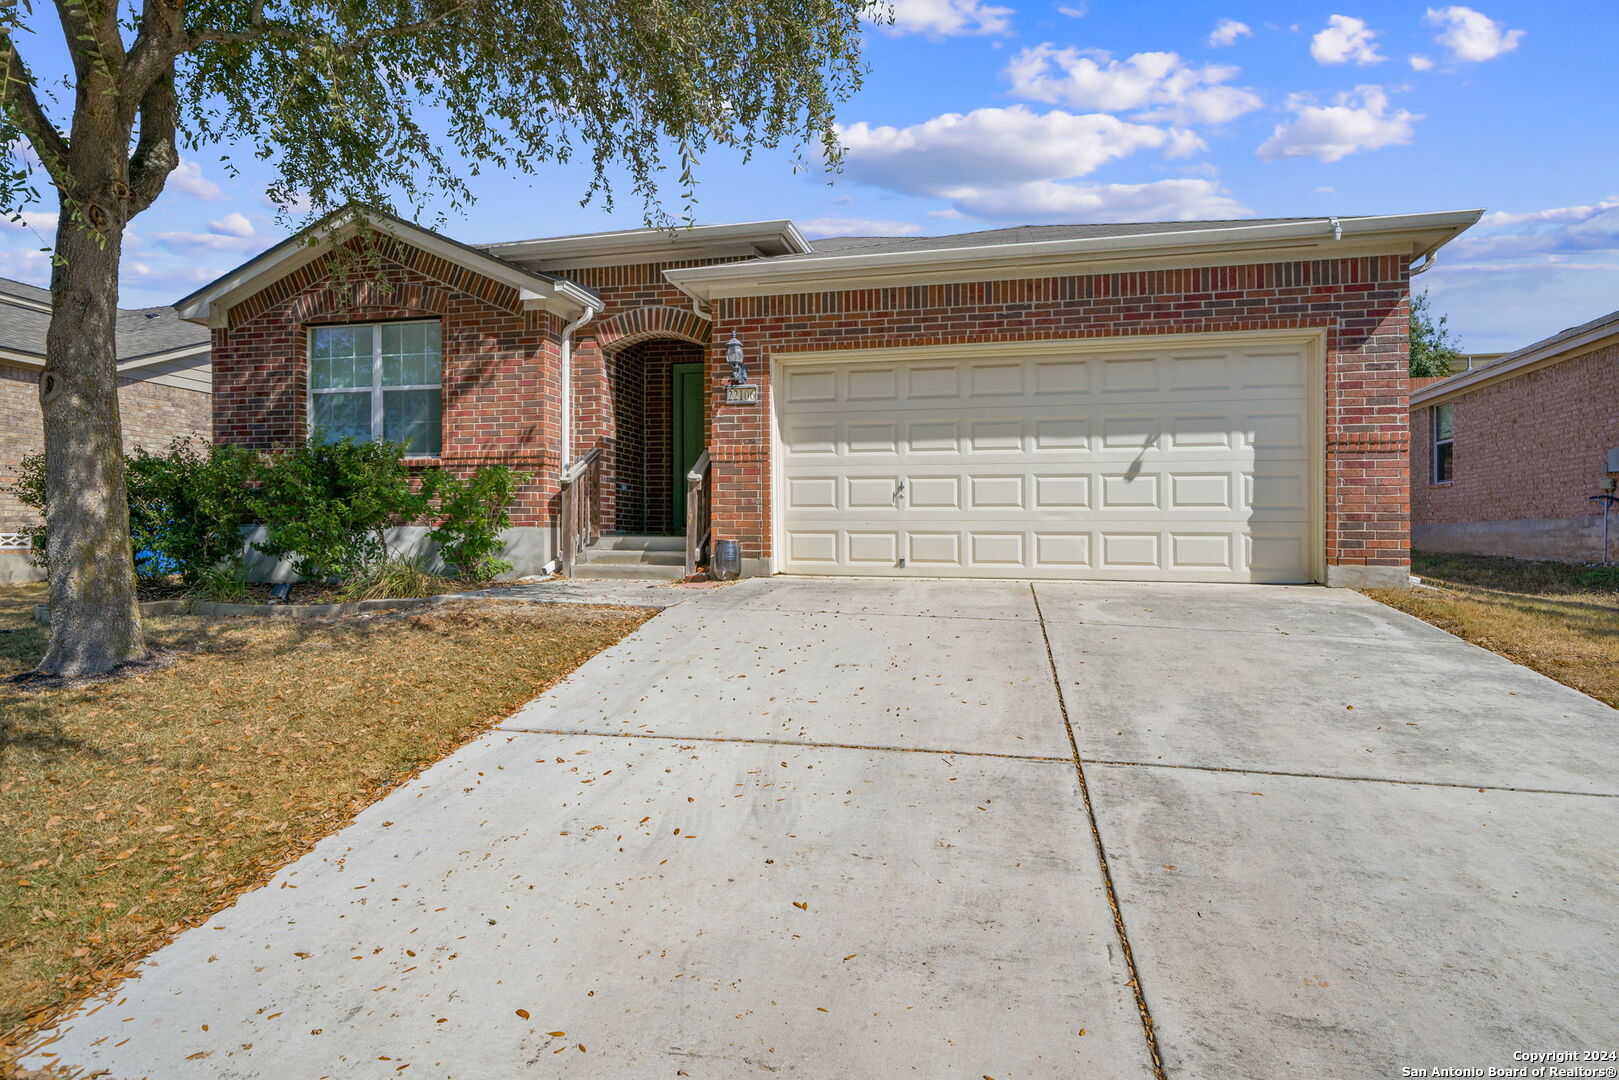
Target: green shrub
<point>187,507</point>
<point>327,506</point>
<point>474,511</point>
<point>28,486</point>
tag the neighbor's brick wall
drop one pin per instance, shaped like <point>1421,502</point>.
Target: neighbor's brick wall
<point>1361,303</point>
<point>1532,447</point>
<point>152,415</point>
<point>500,365</point>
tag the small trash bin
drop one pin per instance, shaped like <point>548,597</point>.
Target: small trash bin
<point>727,560</point>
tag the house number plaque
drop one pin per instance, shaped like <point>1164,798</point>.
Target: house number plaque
<point>742,395</point>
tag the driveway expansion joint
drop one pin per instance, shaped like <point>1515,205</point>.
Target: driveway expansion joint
<point>896,615</point>
<point>1042,759</point>
<point>1147,1030</point>
<point>1458,785</point>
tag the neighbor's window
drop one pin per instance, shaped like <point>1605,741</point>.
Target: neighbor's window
<point>377,381</point>
<point>1444,464</point>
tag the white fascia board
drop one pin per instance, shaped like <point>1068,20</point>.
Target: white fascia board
<point>12,356</point>
<point>1410,234</point>
<point>1525,362</point>
<point>616,248</point>
<point>168,354</point>
<point>27,303</point>
<point>211,306</point>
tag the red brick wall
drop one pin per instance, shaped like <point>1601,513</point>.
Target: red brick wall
<point>152,415</point>
<point>500,366</point>
<point>502,389</point>
<point>1361,303</point>
<point>1526,448</point>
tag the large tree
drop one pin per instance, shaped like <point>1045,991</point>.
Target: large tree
<point>387,104</point>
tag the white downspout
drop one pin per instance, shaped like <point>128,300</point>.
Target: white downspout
<point>565,458</point>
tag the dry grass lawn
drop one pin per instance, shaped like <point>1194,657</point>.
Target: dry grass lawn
<point>1560,619</point>
<point>134,808</point>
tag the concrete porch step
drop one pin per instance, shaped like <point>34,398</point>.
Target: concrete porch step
<point>631,571</point>
<point>612,556</point>
<point>631,542</point>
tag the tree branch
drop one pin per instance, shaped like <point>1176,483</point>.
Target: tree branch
<point>156,154</point>
<point>93,44</point>
<point>23,109</point>
<point>160,41</point>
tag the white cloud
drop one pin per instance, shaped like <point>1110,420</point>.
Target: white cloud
<point>1014,164</point>
<point>1357,120</point>
<point>855,226</point>
<point>1051,200</point>
<point>1073,11</point>
<point>945,18</point>
<point>1554,215</point>
<point>185,242</point>
<point>1227,31</point>
<point>1346,40</point>
<point>1419,62</point>
<point>1551,234</point>
<point>990,146</point>
<point>39,223</point>
<point>26,264</point>
<point>1155,85</point>
<point>233,224</point>
<point>189,179</point>
<point>1183,143</point>
<point>1470,35</point>
<point>1326,190</point>
<point>949,213</point>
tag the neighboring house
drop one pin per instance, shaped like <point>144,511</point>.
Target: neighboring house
<point>163,380</point>
<point>1184,401</point>
<point>1505,456</point>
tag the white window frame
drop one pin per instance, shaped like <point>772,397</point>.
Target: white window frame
<point>1434,442</point>
<point>377,388</point>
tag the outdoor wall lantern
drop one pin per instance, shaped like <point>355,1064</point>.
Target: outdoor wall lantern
<point>733,357</point>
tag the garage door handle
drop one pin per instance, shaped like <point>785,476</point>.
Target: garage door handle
<point>899,490</point>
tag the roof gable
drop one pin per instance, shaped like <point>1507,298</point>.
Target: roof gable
<point>211,304</point>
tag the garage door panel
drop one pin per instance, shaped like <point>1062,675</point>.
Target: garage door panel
<point>872,547</point>
<point>1184,464</point>
<point>872,383</point>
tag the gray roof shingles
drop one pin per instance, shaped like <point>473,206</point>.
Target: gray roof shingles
<point>142,332</point>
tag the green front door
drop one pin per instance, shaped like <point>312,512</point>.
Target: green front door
<point>688,431</point>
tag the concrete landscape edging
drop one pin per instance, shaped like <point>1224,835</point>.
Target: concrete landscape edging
<point>42,612</point>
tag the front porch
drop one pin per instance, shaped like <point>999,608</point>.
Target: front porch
<point>639,426</point>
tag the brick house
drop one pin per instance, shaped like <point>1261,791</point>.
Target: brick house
<point>1188,401</point>
<point>1505,456</point>
<point>164,385</point>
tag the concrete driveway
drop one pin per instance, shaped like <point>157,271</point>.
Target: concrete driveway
<point>841,829</point>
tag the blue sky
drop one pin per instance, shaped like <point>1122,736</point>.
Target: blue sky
<point>980,114</point>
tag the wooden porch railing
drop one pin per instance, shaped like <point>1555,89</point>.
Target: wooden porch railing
<point>580,510</point>
<point>699,527</point>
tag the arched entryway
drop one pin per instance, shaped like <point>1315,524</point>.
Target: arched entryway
<point>656,404</point>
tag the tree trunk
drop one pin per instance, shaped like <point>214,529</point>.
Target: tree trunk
<point>95,620</point>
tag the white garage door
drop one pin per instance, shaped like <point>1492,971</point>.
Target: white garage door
<point>1185,463</point>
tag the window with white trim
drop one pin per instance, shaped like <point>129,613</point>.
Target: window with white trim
<point>372,381</point>
<point>1444,462</point>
